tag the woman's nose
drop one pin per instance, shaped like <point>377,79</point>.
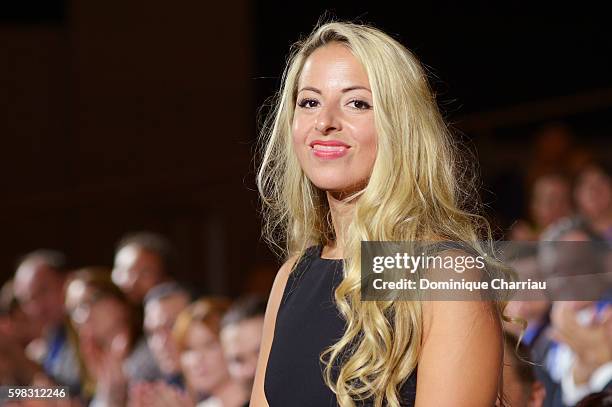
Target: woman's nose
<point>327,121</point>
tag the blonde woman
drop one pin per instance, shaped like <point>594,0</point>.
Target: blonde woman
<point>356,150</point>
<point>196,331</point>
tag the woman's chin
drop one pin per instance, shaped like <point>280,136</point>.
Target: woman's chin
<point>340,189</point>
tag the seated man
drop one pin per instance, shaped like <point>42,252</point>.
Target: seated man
<point>241,331</point>
<point>162,305</point>
<point>39,289</point>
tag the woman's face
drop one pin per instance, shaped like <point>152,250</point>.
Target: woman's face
<point>106,321</point>
<point>593,192</point>
<point>334,136</point>
<point>202,361</point>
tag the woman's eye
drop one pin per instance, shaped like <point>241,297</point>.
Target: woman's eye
<point>308,103</point>
<point>360,104</point>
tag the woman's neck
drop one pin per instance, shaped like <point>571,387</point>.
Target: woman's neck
<point>341,214</point>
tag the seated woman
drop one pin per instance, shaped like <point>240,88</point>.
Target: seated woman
<point>107,327</point>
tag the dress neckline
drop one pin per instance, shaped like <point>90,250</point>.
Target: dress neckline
<point>319,253</point>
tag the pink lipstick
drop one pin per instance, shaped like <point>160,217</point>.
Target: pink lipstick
<point>329,149</point>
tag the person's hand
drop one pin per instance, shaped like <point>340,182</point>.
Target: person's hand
<point>112,380</point>
<point>590,343</point>
<point>605,316</point>
<point>92,356</point>
<point>137,394</point>
<point>106,367</point>
<point>112,362</point>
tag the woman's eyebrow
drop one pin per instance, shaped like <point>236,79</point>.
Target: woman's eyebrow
<point>315,90</point>
<point>350,88</point>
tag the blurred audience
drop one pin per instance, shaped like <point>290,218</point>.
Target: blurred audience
<point>241,332</point>
<point>555,151</point>
<point>587,331</point>
<point>551,200</point>
<point>14,323</point>
<point>142,261</point>
<point>39,290</point>
<point>131,336</point>
<point>593,195</point>
<point>16,333</point>
<point>203,363</point>
<point>574,266</point>
<point>535,310</point>
<point>108,330</point>
<point>204,366</point>
<point>602,399</point>
<point>572,346</point>
<point>163,304</point>
<point>521,387</point>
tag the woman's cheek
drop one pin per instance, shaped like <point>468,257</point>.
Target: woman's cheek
<point>298,129</point>
<point>369,148</point>
<point>299,147</point>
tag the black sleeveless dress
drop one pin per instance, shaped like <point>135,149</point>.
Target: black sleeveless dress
<point>308,322</point>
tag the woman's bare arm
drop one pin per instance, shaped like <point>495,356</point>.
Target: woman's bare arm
<point>461,359</point>
<point>258,398</point>
<point>462,352</point>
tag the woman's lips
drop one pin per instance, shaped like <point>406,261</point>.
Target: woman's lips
<point>329,149</point>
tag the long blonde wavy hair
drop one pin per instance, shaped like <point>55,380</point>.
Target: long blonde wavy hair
<point>414,193</point>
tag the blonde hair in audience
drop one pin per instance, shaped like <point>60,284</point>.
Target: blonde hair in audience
<point>207,311</point>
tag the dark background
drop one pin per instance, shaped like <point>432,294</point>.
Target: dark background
<point>118,116</point>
